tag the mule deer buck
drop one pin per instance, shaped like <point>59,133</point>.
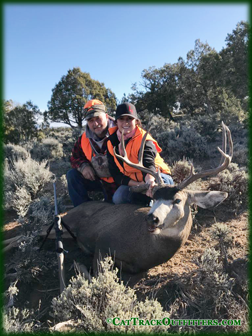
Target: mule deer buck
<point>140,238</point>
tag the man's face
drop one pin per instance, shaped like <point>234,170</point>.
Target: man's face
<point>98,125</point>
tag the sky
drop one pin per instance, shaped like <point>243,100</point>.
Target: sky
<point>114,43</point>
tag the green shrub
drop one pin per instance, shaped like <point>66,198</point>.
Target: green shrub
<point>14,319</point>
<point>206,126</point>
<point>231,111</point>
<point>60,167</point>
<point>87,306</point>
<point>241,154</point>
<point>19,200</point>
<point>158,123</point>
<point>48,149</point>
<point>22,182</point>
<point>17,321</point>
<point>234,181</point>
<point>41,211</point>
<point>208,293</point>
<point>222,233</point>
<point>180,170</point>
<point>65,136</point>
<point>182,142</point>
<point>14,153</point>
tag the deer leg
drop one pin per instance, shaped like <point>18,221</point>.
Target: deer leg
<point>11,240</point>
<point>82,269</point>
<point>129,278</point>
<point>132,279</point>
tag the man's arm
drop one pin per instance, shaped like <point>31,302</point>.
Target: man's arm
<point>80,162</point>
<point>78,157</point>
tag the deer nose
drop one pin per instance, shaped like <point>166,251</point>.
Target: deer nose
<point>152,219</point>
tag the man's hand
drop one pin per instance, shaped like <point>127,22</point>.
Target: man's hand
<point>89,173</point>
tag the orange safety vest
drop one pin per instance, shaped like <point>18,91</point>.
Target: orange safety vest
<point>132,149</point>
<point>87,150</point>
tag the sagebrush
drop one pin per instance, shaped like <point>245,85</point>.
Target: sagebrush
<point>22,183</point>
<point>87,306</point>
<point>234,181</point>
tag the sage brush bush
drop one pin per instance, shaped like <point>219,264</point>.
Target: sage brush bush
<point>182,142</point>
<point>48,149</point>
<point>22,183</point>
<point>42,211</point>
<point>205,125</point>
<point>222,233</point>
<point>60,167</point>
<point>88,305</point>
<point>241,155</point>
<point>180,170</point>
<point>14,152</point>
<point>65,136</point>
<point>15,320</point>
<point>158,123</point>
<point>208,293</point>
<point>234,181</point>
<point>30,264</point>
<point>19,200</point>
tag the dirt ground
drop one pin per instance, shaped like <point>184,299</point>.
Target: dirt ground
<point>40,292</point>
<point>198,241</point>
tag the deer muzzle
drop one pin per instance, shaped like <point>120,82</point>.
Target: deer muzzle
<point>153,222</point>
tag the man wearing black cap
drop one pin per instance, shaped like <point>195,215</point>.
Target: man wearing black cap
<point>88,160</point>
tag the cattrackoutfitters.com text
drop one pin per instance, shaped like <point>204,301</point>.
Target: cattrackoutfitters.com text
<point>166,321</point>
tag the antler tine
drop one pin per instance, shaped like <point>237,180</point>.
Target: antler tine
<point>141,150</point>
<point>138,165</point>
<point>140,157</point>
<point>224,141</point>
<point>123,145</point>
<point>230,142</point>
<point>226,159</point>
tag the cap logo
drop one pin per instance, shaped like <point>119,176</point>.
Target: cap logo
<point>130,109</point>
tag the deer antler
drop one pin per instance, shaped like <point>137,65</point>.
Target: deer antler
<point>224,162</point>
<point>139,165</point>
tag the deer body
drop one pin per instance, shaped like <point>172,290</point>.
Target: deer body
<point>127,238</point>
<point>130,235</point>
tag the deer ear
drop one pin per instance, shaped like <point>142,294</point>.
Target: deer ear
<point>206,199</point>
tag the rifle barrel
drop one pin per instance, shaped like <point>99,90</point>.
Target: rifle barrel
<point>55,199</point>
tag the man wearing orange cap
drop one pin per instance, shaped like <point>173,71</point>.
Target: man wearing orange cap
<point>89,161</point>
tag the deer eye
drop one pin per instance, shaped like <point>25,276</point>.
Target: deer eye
<point>176,201</point>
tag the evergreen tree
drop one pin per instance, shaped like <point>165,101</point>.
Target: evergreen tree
<point>235,74</point>
<point>20,122</point>
<point>72,92</point>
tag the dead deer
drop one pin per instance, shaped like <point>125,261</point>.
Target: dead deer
<point>139,238</point>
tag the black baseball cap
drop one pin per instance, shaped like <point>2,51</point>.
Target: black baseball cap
<point>126,109</point>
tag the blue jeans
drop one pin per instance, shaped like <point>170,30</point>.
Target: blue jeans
<point>124,195</point>
<point>78,187</point>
